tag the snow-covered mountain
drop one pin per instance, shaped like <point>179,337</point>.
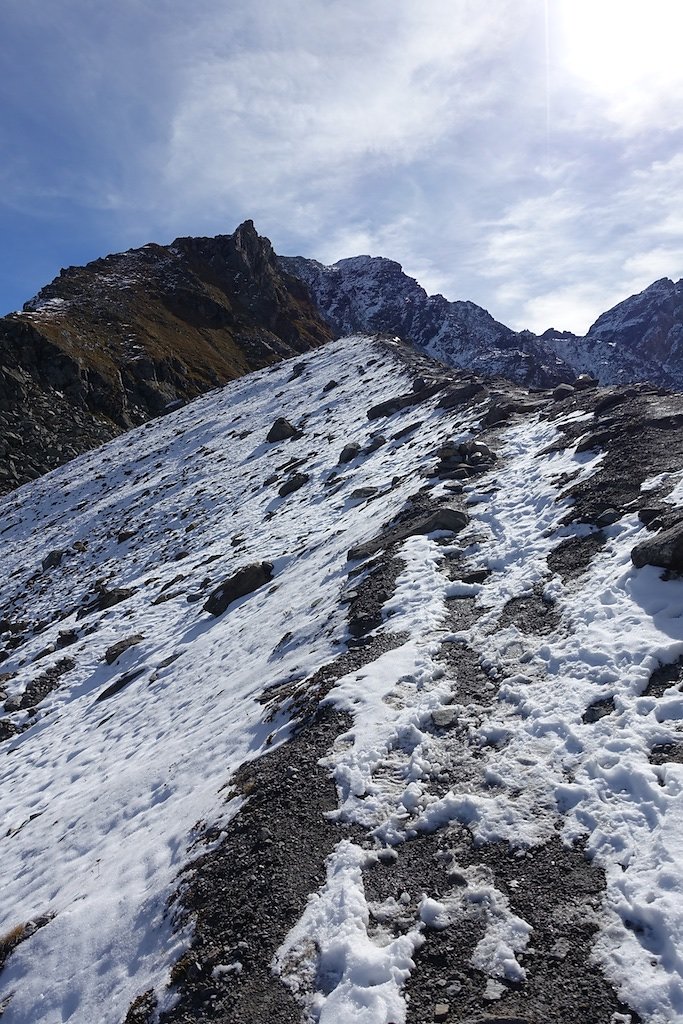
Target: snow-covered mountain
<point>640,338</point>
<point>367,293</point>
<point>349,693</point>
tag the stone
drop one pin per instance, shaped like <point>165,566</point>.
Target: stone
<point>400,402</point>
<point>104,598</point>
<point>443,518</point>
<point>445,716</point>
<point>66,637</point>
<point>607,517</point>
<point>584,381</point>
<point>294,482</point>
<point>665,549</point>
<point>243,582</point>
<point>441,1011</point>
<point>114,652</point>
<point>610,401</point>
<point>349,452</point>
<point>13,703</point>
<point>563,391</point>
<point>375,442</point>
<point>650,514</point>
<point>53,558</point>
<point>282,430</point>
<point>456,396</point>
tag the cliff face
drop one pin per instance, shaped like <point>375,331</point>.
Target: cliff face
<point>107,346</point>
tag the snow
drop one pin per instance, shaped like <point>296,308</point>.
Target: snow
<point>102,800</point>
<point>353,978</point>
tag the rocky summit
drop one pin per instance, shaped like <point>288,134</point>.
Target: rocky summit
<point>109,345</point>
<point>349,692</point>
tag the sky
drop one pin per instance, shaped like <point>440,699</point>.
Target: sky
<point>526,155</point>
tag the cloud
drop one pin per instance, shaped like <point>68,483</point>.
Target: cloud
<point>447,136</point>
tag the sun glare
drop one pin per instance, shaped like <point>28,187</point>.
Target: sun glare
<point>616,44</point>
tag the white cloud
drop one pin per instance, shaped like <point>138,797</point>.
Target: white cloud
<point>417,132</point>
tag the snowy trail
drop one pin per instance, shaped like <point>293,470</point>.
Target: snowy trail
<point>100,798</point>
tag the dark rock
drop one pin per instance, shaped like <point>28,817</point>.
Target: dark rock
<point>8,729</point>
<point>375,442</point>
<point>610,401</point>
<point>665,550</point>
<point>245,581</point>
<point>584,382</point>
<point>114,652</point>
<point>119,684</point>
<point>53,559</point>
<point>442,518</point>
<point>38,689</point>
<point>456,396</point>
<point>607,517</point>
<point>394,405</point>
<point>331,384</point>
<point>650,514</point>
<point>563,391</point>
<point>282,430</point>
<point>104,598</point>
<point>125,535</point>
<point>597,710</point>
<point>67,637</point>
<point>295,481</point>
<point>348,453</point>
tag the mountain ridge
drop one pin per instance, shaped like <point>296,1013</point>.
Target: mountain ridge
<point>109,345</point>
<point>371,717</point>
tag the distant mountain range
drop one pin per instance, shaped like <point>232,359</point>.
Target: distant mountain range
<point>109,345</point>
<point>640,339</point>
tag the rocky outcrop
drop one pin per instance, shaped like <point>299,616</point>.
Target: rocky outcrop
<point>107,346</point>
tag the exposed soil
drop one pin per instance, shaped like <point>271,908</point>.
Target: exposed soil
<point>533,614</point>
<point>573,556</point>
<point>555,890</point>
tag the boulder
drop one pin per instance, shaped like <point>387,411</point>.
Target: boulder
<point>442,518</point>
<point>294,482</point>
<point>245,581</point>
<point>114,652</point>
<point>563,391</point>
<point>349,452</point>
<point>456,396</point>
<point>282,430</point>
<point>665,550</point>
<point>375,442</point>
<point>584,381</point>
<point>53,558</point>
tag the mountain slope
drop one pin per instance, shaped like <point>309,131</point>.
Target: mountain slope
<point>640,338</point>
<point>443,703</point>
<point>106,346</point>
<point>369,294</point>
